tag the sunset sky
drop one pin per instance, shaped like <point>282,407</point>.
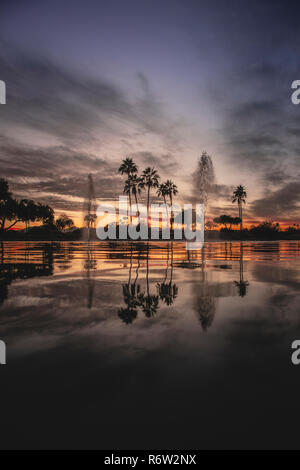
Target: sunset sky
<point>91,82</point>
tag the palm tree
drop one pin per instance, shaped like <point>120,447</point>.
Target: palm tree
<point>239,196</point>
<point>137,184</point>
<point>150,180</point>
<point>241,285</point>
<point>149,303</point>
<point>163,192</point>
<point>172,190</point>
<point>129,168</point>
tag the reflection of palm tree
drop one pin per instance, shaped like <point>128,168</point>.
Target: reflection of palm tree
<point>239,196</point>
<point>150,180</point>
<point>171,190</point>
<point>129,168</point>
<point>134,185</point>
<point>127,315</point>
<point>148,302</point>
<point>131,292</point>
<point>167,290</point>
<point>90,265</point>
<point>241,284</point>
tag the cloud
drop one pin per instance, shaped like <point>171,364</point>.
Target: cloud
<point>260,122</point>
<point>62,113</point>
<point>56,175</point>
<point>282,204</point>
<point>165,163</point>
<point>75,108</point>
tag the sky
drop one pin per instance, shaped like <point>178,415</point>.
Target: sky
<point>92,82</point>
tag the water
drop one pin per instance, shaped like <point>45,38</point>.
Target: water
<point>144,346</point>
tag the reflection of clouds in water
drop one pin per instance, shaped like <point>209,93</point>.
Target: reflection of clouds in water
<point>47,312</point>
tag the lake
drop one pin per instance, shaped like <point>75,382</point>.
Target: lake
<point>148,346</point>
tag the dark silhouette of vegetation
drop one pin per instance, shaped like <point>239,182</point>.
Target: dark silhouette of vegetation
<point>148,180</point>
<point>24,210</point>
<point>168,291</point>
<point>129,168</point>
<point>241,285</point>
<point>135,299</point>
<point>227,220</point>
<point>10,272</point>
<point>265,228</point>
<point>239,196</point>
<point>64,222</point>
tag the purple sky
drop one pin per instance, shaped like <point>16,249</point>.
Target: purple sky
<point>90,82</point>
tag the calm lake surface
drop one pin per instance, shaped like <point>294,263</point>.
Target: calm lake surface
<point>120,346</point>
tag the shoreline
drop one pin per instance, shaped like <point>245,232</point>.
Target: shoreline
<point>281,236</point>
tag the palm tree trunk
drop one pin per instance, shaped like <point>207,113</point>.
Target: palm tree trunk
<point>241,263</point>
<point>147,271</point>
<point>7,228</point>
<point>165,202</point>
<point>129,194</point>
<point>148,212</point>
<point>137,206</point>
<point>172,214</point>
<point>241,215</point>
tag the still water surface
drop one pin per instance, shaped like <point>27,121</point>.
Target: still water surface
<point>127,346</point>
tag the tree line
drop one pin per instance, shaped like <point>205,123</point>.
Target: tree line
<point>13,211</point>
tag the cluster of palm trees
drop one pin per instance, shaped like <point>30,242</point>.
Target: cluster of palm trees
<point>149,179</point>
<point>135,298</point>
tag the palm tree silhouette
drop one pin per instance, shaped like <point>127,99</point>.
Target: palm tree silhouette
<point>167,290</point>
<point>172,190</point>
<point>241,284</point>
<point>128,167</point>
<point>239,196</point>
<point>130,296</point>
<point>162,191</point>
<point>150,179</point>
<point>148,302</point>
<point>135,184</point>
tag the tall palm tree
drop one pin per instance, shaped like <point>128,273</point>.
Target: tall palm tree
<point>137,184</point>
<point>128,167</point>
<point>150,180</point>
<point>163,192</point>
<point>172,190</point>
<point>239,195</point>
